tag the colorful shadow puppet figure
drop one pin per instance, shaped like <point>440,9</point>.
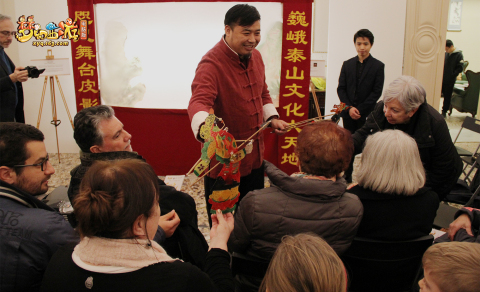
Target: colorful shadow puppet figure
<point>221,144</point>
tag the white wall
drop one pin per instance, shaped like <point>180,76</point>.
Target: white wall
<point>147,66</point>
<point>320,30</point>
<point>468,39</point>
<point>22,53</point>
<point>385,19</point>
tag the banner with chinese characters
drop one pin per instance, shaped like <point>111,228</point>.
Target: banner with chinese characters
<point>84,54</point>
<point>295,76</point>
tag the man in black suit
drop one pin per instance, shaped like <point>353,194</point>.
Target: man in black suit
<point>453,66</point>
<point>11,77</point>
<point>360,85</point>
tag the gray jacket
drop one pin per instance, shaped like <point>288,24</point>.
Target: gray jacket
<point>294,205</point>
<point>30,233</point>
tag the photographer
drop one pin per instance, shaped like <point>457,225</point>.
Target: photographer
<point>11,77</point>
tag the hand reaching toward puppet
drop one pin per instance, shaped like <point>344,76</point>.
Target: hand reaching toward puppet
<point>222,226</point>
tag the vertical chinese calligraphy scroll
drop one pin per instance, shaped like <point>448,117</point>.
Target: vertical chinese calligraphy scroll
<point>84,54</point>
<point>295,76</point>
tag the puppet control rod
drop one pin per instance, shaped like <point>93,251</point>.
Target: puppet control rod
<point>241,145</point>
<point>305,122</point>
<point>200,159</point>
<point>292,126</point>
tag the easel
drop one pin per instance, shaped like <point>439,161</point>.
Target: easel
<point>56,122</point>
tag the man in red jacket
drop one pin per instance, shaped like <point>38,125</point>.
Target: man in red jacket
<point>230,79</point>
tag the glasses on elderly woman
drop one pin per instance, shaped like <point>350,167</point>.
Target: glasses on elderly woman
<point>7,33</point>
<point>42,164</point>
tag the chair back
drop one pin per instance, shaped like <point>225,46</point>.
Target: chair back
<point>468,158</point>
<point>445,215</point>
<point>465,65</point>
<point>473,90</point>
<point>249,266</point>
<point>467,190</point>
<point>375,265</point>
<point>248,272</point>
<point>471,124</point>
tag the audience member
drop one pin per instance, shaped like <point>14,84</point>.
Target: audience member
<point>466,225</point>
<point>312,266</point>
<point>360,85</point>
<point>451,267</point>
<point>391,177</point>
<point>101,137</point>
<point>30,230</point>
<point>452,67</point>
<point>11,77</point>
<point>312,200</point>
<point>404,108</point>
<point>118,214</point>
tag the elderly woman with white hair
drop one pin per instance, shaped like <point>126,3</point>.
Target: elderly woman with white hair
<point>390,185</point>
<point>404,108</point>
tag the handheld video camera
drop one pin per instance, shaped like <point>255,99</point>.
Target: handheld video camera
<point>33,71</point>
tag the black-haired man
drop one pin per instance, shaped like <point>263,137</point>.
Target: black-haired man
<point>30,231</point>
<point>453,66</point>
<point>360,85</point>
<point>101,136</point>
<point>230,79</point>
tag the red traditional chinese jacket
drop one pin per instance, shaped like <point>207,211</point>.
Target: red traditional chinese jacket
<point>237,94</point>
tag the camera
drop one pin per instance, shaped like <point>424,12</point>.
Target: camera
<point>33,71</point>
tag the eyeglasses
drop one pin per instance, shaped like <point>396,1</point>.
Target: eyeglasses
<point>43,164</point>
<point>7,33</point>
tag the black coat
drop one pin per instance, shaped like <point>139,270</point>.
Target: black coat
<point>8,111</point>
<point>64,275</point>
<point>452,67</point>
<point>439,157</point>
<point>396,217</point>
<point>369,88</point>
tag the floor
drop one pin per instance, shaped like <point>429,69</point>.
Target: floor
<point>68,161</point>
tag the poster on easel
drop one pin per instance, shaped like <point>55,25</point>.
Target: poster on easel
<point>60,66</point>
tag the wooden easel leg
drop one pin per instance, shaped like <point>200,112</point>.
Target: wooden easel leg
<point>64,101</point>
<point>54,121</point>
<point>41,102</point>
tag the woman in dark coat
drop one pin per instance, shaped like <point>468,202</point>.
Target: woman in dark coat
<point>404,108</point>
<point>391,177</point>
<point>118,214</point>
